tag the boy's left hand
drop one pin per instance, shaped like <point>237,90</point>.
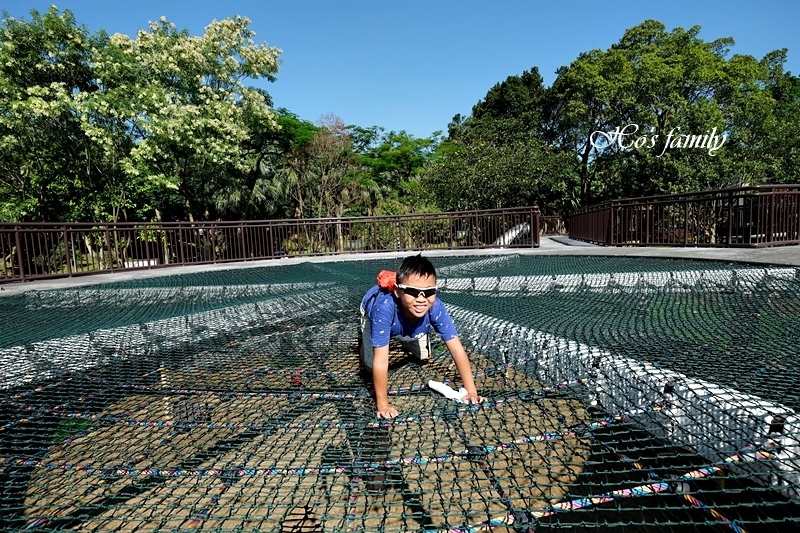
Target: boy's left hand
<point>472,398</point>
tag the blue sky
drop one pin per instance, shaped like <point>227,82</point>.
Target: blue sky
<point>412,65</point>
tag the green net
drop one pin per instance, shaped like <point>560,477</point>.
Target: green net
<point>635,394</point>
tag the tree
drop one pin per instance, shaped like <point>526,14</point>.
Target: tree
<point>316,170</point>
<point>481,175</point>
<point>497,157</point>
<point>662,85</point>
<point>393,164</point>
<point>183,102</point>
<point>764,115</point>
<point>257,192</point>
<point>511,109</point>
<point>49,169</point>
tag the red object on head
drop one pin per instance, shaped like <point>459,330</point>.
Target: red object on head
<point>387,280</point>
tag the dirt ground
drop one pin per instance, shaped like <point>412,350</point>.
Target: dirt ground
<point>302,451</point>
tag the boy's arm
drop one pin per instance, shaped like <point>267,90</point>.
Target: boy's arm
<point>461,360</point>
<point>380,378</point>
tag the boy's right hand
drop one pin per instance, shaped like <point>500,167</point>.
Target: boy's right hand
<point>386,411</point>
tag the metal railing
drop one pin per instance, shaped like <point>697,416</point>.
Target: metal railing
<point>552,225</point>
<point>766,215</point>
<point>49,250</point>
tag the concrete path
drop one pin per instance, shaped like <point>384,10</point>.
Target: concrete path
<point>776,255</point>
<point>553,245</point>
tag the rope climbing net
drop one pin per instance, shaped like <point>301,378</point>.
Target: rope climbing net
<point>635,394</point>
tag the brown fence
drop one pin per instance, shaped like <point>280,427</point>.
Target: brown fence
<point>552,225</point>
<point>46,250</point>
<point>766,215</point>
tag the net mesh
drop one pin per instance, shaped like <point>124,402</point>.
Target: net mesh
<point>635,394</point>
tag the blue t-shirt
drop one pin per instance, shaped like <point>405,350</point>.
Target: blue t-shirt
<point>387,320</point>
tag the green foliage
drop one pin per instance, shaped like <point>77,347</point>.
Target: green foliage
<point>497,157</point>
<point>392,164</point>
<point>43,151</point>
<point>477,174</point>
<point>394,233</point>
<point>667,83</point>
<point>524,144</point>
<point>293,132</point>
<point>95,127</point>
<point>317,176</point>
<point>163,125</point>
<point>183,101</point>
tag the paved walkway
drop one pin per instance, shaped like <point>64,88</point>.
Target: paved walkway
<point>554,245</point>
<point>777,255</point>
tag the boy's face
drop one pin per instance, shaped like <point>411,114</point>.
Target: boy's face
<point>416,305</point>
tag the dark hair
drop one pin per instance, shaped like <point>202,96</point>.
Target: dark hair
<point>415,264</point>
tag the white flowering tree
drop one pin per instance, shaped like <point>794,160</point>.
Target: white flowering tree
<point>101,128</point>
<point>183,102</point>
<point>46,164</point>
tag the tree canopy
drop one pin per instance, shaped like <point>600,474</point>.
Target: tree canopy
<point>165,125</point>
<point>618,123</point>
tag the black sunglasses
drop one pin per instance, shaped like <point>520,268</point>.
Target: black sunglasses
<point>414,292</point>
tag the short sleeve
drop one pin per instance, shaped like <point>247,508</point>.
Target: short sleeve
<point>381,319</point>
<point>441,321</point>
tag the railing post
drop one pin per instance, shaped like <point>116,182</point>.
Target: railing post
<point>450,232</point>
<point>18,244</point>
<point>66,250</point>
<point>147,244</point>
<point>610,237</point>
<point>797,204</point>
<point>213,244</point>
<point>108,249</point>
<point>180,244</point>
<point>243,253</point>
<point>730,219</point>
<point>685,222</point>
<point>270,250</point>
<point>771,216</point>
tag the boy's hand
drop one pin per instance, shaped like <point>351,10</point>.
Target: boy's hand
<point>386,411</point>
<point>472,398</point>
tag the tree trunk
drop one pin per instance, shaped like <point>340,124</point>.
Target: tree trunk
<point>585,188</point>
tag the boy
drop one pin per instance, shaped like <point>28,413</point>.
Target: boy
<point>408,312</point>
